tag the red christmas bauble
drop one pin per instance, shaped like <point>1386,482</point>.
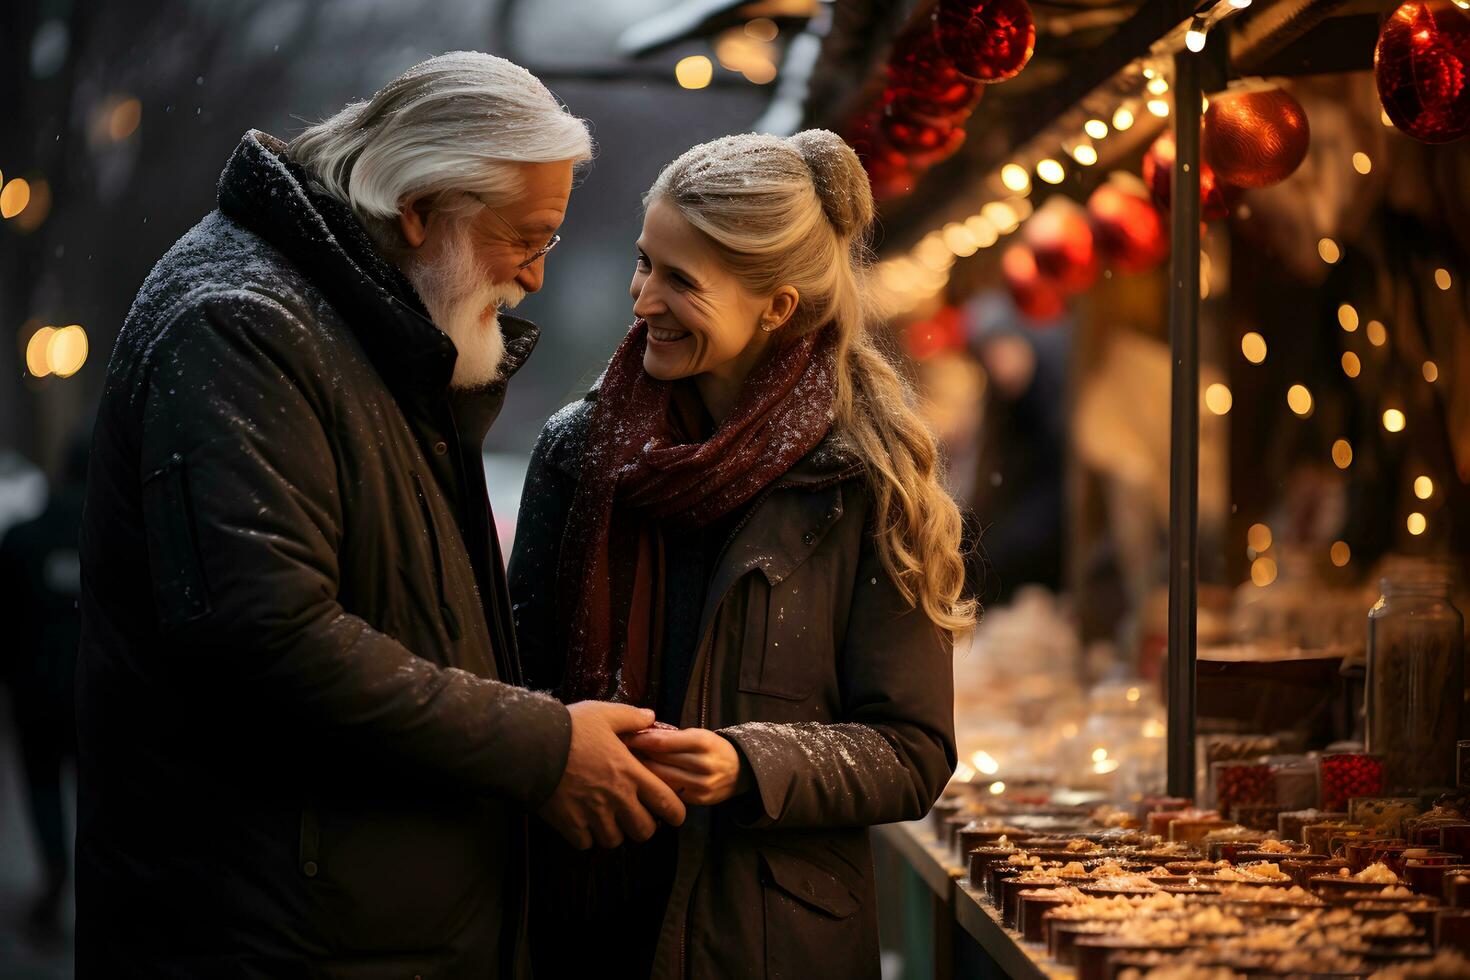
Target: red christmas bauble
<point>1422,67</point>
<point>1255,138</point>
<point>1129,231</point>
<point>925,141</point>
<point>1215,198</point>
<point>987,40</point>
<point>923,82</point>
<point>943,331</point>
<point>1037,297</point>
<point>1060,239</point>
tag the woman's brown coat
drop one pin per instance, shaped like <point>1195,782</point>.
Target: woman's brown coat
<point>838,695</point>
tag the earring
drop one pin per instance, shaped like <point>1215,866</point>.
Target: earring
<point>767,326</point>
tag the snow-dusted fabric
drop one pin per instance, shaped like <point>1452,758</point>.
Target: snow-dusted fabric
<point>641,471</point>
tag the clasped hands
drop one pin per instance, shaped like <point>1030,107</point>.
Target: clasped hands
<point>623,775</point>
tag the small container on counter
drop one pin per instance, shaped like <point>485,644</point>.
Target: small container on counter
<point>1386,813</point>
<point>1256,816</point>
<point>1237,782</point>
<point>1457,889</point>
<point>1289,825</point>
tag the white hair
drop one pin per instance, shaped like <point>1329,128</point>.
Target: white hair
<point>459,122</point>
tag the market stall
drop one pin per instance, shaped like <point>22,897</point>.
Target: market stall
<point>1204,377</point>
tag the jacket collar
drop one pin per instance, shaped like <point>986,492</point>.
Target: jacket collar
<point>275,198</point>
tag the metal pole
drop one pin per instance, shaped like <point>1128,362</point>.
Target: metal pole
<point>1184,422</point>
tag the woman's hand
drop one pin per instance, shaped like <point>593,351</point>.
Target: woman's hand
<point>703,768</point>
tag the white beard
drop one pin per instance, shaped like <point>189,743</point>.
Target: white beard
<point>465,305</point>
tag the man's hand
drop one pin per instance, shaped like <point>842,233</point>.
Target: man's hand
<point>606,794</point>
<point>702,767</point>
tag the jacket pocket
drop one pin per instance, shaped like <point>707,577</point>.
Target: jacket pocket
<point>814,922</point>
<point>787,644</point>
<point>179,589</point>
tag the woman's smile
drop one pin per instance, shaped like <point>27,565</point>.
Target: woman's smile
<point>664,335</point>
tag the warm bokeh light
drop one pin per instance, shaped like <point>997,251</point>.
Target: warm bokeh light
<point>36,361</point>
<point>1259,538</point>
<point>985,763</point>
<point>1393,420</point>
<point>1157,85</point>
<point>762,29</point>
<point>1123,119</point>
<point>1133,694</point>
<point>1416,523</point>
<point>1341,554</point>
<point>1342,454</point>
<point>1263,571</point>
<point>67,351</point>
<point>1099,754</point>
<point>1085,154</point>
<point>1050,171</point>
<point>1442,278</point>
<point>997,788</point>
<point>1362,163</point>
<point>1423,487</point>
<point>1377,333</point>
<point>1194,40</point>
<point>39,207</point>
<point>124,118</point>
<point>1431,371</point>
<point>1095,128</point>
<point>1347,317</point>
<point>1329,251</point>
<point>1300,400</point>
<point>1253,346</point>
<point>1218,399</point>
<point>983,231</point>
<point>14,198</point>
<point>1158,107</point>
<point>1015,178</point>
<point>1351,366</point>
<point>1002,216</point>
<point>960,240</point>
<point>760,72</point>
<point>695,71</point>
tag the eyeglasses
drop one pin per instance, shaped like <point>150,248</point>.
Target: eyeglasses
<point>537,255</point>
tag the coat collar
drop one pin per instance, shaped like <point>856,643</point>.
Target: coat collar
<point>275,198</point>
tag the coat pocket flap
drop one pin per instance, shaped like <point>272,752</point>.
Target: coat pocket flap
<point>808,883</point>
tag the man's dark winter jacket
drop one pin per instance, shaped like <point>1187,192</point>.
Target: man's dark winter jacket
<point>302,753</point>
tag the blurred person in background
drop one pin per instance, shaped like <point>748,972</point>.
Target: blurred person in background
<point>302,747</point>
<point>40,579</point>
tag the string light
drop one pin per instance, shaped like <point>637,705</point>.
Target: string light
<point>1002,216</point>
<point>1442,278</point>
<point>1258,537</point>
<point>1085,154</point>
<point>1342,454</point>
<point>762,29</point>
<point>1015,178</point>
<point>1157,85</point>
<point>1362,163</point>
<point>1416,523</point>
<point>1347,317</point>
<point>984,232</point>
<point>1158,107</point>
<point>1253,346</point>
<point>1329,251</point>
<point>1095,128</point>
<point>1050,171</point>
<point>959,239</point>
<point>1351,366</point>
<point>1431,371</point>
<point>694,72</point>
<point>36,361</point>
<point>1194,38</point>
<point>1377,333</point>
<point>1393,420</point>
<point>15,197</point>
<point>1123,119</point>
<point>67,351</point>
<point>1423,487</point>
<point>1300,400</point>
<point>1263,572</point>
<point>1341,554</point>
<point>1218,399</point>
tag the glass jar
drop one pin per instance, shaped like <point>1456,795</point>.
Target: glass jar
<point>1416,676</point>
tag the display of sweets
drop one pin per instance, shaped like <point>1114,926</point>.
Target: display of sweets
<point>1343,775</point>
<point>1289,824</point>
<point>1237,783</point>
<point>1385,813</point>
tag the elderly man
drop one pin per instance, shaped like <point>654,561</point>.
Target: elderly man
<point>302,749</point>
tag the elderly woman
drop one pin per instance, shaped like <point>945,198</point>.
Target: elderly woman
<point>741,527</point>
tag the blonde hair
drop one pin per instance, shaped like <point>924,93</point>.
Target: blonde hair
<point>798,212</point>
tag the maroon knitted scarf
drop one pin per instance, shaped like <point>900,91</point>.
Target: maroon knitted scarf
<point>644,469</point>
